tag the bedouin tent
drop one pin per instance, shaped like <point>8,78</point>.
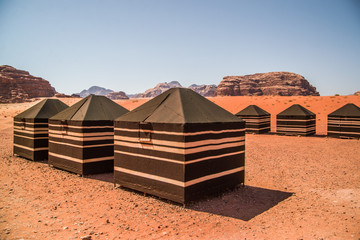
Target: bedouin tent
<point>31,129</point>
<point>345,122</point>
<point>296,120</point>
<point>256,119</point>
<point>81,138</point>
<point>179,146</point>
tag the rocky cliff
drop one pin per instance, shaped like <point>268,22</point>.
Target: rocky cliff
<point>204,90</point>
<point>19,86</point>
<point>272,83</point>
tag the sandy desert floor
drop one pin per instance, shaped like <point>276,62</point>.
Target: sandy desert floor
<point>296,188</point>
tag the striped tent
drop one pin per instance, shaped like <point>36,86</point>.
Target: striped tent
<point>31,129</point>
<point>256,119</point>
<point>179,146</point>
<point>345,122</point>
<point>296,120</point>
<point>81,138</point>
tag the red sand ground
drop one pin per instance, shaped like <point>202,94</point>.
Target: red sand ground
<point>296,188</point>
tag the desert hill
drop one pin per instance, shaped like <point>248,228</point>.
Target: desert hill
<point>95,90</point>
<point>203,90</point>
<point>157,90</point>
<point>103,92</point>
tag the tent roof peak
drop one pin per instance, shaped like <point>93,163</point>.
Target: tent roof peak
<point>92,108</point>
<point>43,109</point>
<point>179,105</point>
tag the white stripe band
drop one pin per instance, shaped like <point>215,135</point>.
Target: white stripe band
<point>74,134</point>
<point>30,132</point>
<point>28,123</point>
<point>341,132</point>
<point>33,138</point>
<point>177,161</point>
<point>295,120</point>
<point>30,128</point>
<point>258,128</point>
<point>179,133</point>
<point>351,123</point>
<point>81,127</point>
<point>31,149</point>
<point>67,137</point>
<point>82,146</point>
<point>81,160</point>
<point>179,150</point>
<point>180,144</point>
<point>176,182</point>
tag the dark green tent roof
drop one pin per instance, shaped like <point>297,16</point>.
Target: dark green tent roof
<point>252,110</point>
<point>43,110</point>
<point>348,110</point>
<point>296,110</point>
<point>179,105</point>
<point>92,108</point>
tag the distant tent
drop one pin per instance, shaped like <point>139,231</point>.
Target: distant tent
<point>31,129</point>
<point>296,120</point>
<point>82,136</point>
<point>345,122</point>
<point>179,146</point>
<point>256,119</point>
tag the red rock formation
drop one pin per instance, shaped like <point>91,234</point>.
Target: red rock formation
<point>272,83</point>
<point>18,85</point>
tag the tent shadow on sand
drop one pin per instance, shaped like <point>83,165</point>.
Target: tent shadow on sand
<point>242,203</point>
<point>105,177</point>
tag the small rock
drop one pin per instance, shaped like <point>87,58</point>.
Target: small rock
<point>87,237</point>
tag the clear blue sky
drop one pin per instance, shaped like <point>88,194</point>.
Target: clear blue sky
<point>132,45</point>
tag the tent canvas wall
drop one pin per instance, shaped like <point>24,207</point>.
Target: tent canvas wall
<point>31,129</point>
<point>296,120</point>
<point>256,119</point>
<point>345,122</point>
<point>179,146</point>
<point>81,138</point>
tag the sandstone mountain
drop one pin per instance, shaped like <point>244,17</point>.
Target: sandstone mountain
<point>157,90</point>
<point>204,90</point>
<point>357,93</point>
<point>95,90</point>
<point>272,83</point>
<point>117,95</point>
<point>19,86</point>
